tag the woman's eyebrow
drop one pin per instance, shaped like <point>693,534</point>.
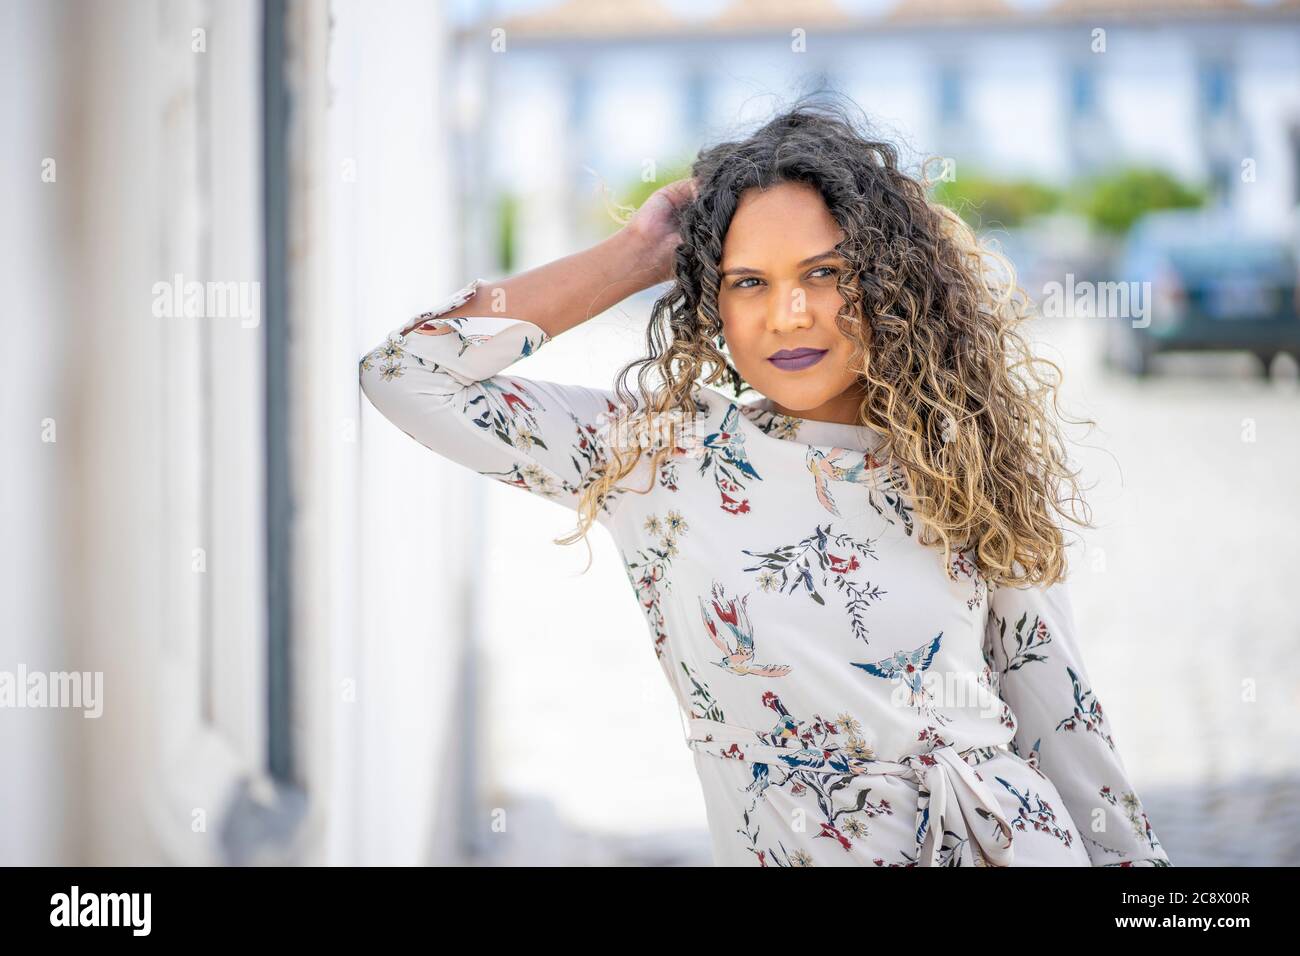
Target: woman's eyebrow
<point>737,270</point>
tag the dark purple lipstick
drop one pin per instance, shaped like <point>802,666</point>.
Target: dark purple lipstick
<point>792,360</point>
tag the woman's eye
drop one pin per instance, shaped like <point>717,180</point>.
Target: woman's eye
<point>827,272</point>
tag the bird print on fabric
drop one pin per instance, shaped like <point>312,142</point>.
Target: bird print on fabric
<point>908,668</point>
<point>452,326</point>
<point>729,442</point>
<point>738,652</point>
<point>724,452</point>
<point>760,780</point>
<point>787,727</point>
<point>801,549</point>
<point>842,464</point>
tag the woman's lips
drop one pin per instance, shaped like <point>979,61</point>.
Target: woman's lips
<point>795,359</point>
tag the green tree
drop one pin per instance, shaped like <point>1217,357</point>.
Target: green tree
<point>1114,200</point>
<point>988,202</point>
<point>507,231</point>
<point>622,202</point>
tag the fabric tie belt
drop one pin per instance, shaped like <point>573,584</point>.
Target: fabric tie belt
<point>950,797</point>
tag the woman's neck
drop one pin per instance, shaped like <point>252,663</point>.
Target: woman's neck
<point>842,409</point>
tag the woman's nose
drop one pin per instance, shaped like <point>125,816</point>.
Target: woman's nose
<point>789,309</point>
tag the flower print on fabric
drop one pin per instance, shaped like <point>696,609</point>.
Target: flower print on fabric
<point>738,650</point>
<point>504,407</point>
<point>688,444</point>
<point>964,567</point>
<point>817,770</point>
<point>789,607</point>
<point>648,571</point>
<point>702,702</point>
<point>1086,716</point>
<point>1131,806</point>
<point>1060,727</point>
<point>886,483</point>
<point>1036,813</point>
<point>388,355</point>
<point>832,560</point>
<point>988,680</point>
<point>1028,637</point>
<point>427,378</point>
<point>952,835</point>
<point>817,750</point>
<point>772,422</point>
<point>889,498</point>
<point>956,820</point>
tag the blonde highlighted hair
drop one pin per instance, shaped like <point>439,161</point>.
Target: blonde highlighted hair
<point>966,411</point>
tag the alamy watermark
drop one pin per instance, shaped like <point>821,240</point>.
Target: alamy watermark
<point>624,430</point>
<point>208,300</point>
<point>129,910</point>
<point>61,689</point>
<point>1116,300</point>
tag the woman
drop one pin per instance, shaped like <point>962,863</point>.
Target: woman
<point>855,584</point>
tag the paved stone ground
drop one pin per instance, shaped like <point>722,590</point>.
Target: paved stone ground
<point>1186,593</point>
<point>1184,596</point>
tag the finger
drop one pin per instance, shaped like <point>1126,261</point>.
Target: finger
<point>684,191</point>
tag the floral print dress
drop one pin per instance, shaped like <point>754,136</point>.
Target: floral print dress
<point>847,701</point>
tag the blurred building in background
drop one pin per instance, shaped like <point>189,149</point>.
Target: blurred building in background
<point>1065,124</point>
<point>318,643</point>
<point>585,92</point>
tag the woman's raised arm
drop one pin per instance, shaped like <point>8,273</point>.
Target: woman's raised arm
<point>441,376</point>
<point>561,294</point>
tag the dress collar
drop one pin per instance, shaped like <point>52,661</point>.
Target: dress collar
<point>808,431</point>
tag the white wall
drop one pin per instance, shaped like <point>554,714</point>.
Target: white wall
<point>402,520</point>
<point>34,745</point>
<point>159,458</point>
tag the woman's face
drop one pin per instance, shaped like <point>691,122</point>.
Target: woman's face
<point>778,296</point>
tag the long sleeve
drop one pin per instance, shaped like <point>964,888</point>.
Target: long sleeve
<point>1032,648</point>
<point>442,381</point>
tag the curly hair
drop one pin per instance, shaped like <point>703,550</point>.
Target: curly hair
<point>965,410</point>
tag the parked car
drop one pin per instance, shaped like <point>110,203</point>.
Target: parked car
<point>1214,286</point>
